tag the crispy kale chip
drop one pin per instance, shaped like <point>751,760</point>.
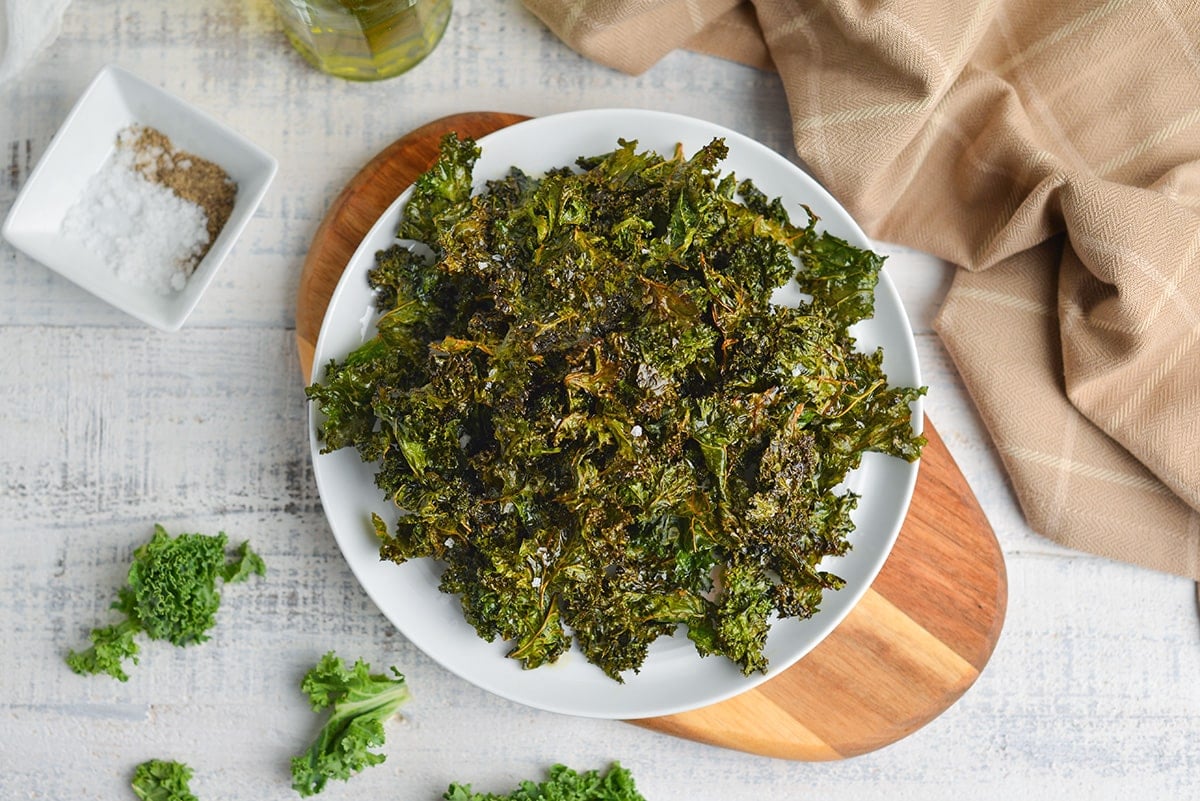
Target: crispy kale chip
<point>162,780</point>
<point>563,784</point>
<point>359,702</point>
<point>586,404</point>
<point>442,193</point>
<point>171,594</point>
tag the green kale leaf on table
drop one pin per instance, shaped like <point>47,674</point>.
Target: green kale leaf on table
<point>162,780</point>
<point>171,594</point>
<point>563,784</point>
<point>359,702</point>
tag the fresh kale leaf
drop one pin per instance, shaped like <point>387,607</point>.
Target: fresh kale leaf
<point>171,594</point>
<point>359,702</point>
<point>587,406</point>
<point>162,780</point>
<point>563,784</point>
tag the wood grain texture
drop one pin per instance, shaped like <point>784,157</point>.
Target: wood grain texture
<point>905,653</point>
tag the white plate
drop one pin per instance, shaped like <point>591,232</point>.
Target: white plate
<point>674,678</point>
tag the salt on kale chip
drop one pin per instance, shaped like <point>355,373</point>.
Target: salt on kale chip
<point>583,401</point>
<point>170,594</point>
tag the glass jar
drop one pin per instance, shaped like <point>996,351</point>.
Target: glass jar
<point>364,40</point>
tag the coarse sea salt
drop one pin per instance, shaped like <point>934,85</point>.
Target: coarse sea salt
<point>142,231</point>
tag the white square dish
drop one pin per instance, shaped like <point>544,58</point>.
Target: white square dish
<point>115,100</point>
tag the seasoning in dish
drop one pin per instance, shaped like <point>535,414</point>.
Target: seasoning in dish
<point>151,212</point>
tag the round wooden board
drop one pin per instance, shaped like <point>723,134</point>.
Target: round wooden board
<point>907,651</point>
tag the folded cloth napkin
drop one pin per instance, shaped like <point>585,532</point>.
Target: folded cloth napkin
<point>1052,149</point>
<point>26,28</point>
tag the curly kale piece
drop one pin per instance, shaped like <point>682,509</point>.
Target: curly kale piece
<point>840,277</point>
<point>359,702</point>
<point>442,193</point>
<point>111,647</point>
<point>563,784</point>
<point>162,780</point>
<point>171,594</point>
<point>588,407</point>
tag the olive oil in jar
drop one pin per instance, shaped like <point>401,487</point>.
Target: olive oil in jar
<point>364,40</point>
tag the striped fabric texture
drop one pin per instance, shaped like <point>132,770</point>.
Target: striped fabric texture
<point>1051,148</point>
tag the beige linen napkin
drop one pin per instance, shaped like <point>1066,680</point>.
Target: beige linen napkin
<point>1051,148</point>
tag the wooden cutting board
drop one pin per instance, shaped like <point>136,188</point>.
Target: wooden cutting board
<point>907,651</point>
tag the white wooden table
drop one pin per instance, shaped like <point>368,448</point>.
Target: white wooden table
<point>107,426</point>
